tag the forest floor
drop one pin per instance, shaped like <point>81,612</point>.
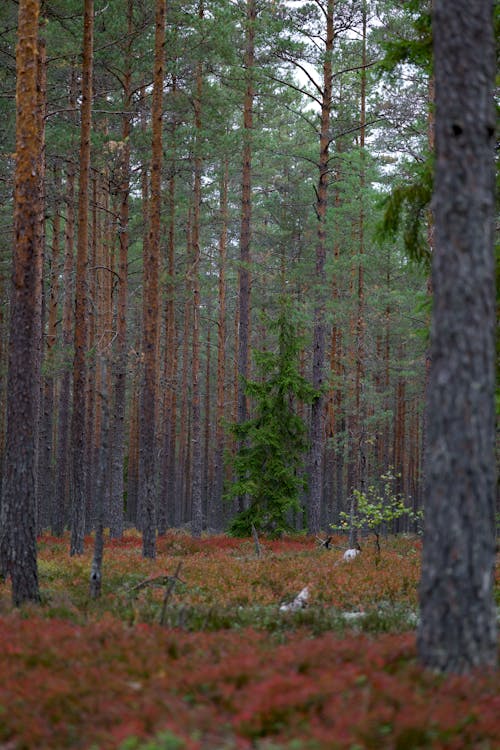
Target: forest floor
<point>192,652</point>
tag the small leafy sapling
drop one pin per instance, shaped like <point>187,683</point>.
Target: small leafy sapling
<point>377,509</point>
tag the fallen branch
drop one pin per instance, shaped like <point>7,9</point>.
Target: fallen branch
<point>162,580</point>
<point>327,543</point>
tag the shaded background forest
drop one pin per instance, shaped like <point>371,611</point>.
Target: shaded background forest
<point>281,131</point>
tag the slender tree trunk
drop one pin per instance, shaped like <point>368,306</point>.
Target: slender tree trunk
<point>145,211</point>
<point>150,309</point>
<point>458,630</point>
<point>46,472</point>
<point>62,485</point>
<point>359,432</point>
<point>166,516</point>
<point>18,512</point>
<point>120,373</point>
<point>208,465</point>
<point>133,457</point>
<point>78,425</point>
<point>101,467</point>
<point>91,379</point>
<point>196,476</point>
<point>318,367</point>
<point>246,214</point>
<point>183,489</point>
<point>215,510</point>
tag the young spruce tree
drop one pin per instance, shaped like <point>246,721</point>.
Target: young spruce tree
<point>272,443</point>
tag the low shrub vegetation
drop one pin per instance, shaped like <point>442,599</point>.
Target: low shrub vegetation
<point>215,665</point>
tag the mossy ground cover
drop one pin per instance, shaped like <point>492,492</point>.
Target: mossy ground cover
<point>227,669</point>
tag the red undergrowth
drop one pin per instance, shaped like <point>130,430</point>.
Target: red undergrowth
<point>92,683</point>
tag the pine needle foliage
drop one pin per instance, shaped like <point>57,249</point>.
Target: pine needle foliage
<point>413,47</point>
<point>405,211</point>
<point>273,442</point>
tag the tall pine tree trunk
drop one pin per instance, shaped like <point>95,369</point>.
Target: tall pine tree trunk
<point>215,508</point>
<point>120,370</point>
<point>458,630</point>
<point>43,432</point>
<point>196,475</point>
<point>318,367</point>
<point>62,485</point>
<point>46,477</point>
<point>246,214</point>
<point>18,512</point>
<point>166,516</point>
<point>78,422</point>
<point>150,306</point>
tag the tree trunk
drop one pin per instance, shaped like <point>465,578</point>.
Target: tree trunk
<point>150,307</point>
<point>42,426</point>
<point>246,213</point>
<point>45,469</point>
<point>457,629</point>
<point>166,516</point>
<point>318,367</point>
<point>100,495</point>
<point>61,494</point>
<point>120,372</point>
<point>78,425</point>
<point>182,488</point>
<point>133,457</point>
<point>18,513</point>
<point>196,476</point>
<point>215,508</point>
<point>91,377</point>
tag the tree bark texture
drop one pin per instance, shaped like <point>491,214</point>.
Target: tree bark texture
<point>458,618</point>
<point>318,367</point>
<point>246,213</point>
<point>215,510</point>
<point>196,474</point>
<point>46,507</point>
<point>18,516</point>
<point>61,490</point>
<point>120,372</point>
<point>169,469</point>
<point>150,303</point>
<point>78,430</point>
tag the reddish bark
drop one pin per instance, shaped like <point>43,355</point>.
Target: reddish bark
<point>18,511</point>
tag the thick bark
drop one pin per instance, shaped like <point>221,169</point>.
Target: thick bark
<point>78,430</point>
<point>150,303</point>
<point>18,513</point>
<point>457,629</point>
<point>43,422</point>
